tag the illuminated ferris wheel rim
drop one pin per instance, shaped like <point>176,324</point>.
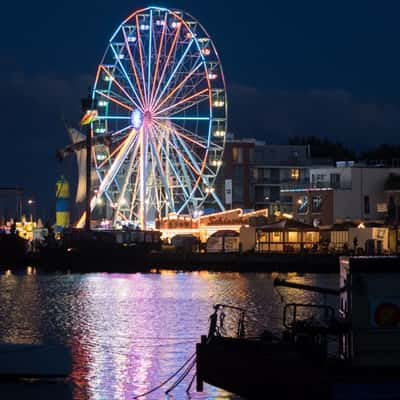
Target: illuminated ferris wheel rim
<point>149,114</point>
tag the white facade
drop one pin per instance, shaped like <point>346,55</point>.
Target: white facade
<point>357,190</point>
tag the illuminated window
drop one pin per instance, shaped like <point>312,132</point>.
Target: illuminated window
<point>237,154</point>
<point>295,174</point>
<point>292,237</point>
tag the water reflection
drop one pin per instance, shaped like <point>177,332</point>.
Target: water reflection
<point>128,333</point>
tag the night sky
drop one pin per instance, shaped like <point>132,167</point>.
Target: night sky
<point>292,68</point>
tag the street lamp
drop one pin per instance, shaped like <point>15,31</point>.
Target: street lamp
<point>30,202</point>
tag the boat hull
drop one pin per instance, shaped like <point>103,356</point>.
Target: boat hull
<point>250,368</point>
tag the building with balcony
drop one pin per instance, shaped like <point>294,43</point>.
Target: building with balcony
<point>277,165</point>
<point>348,191</point>
<point>257,170</point>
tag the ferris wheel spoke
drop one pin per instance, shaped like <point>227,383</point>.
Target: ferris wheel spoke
<point>177,175</point>
<point>134,69</point>
<point>176,69</point>
<point>191,136</point>
<point>134,194</point>
<point>117,163</point>
<point>140,45</point>
<point>160,167</point>
<point>158,57</point>
<point>187,174</point>
<point>177,87</point>
<point>164,151</point>
<point>185,161</point>
<point>178,142</point>
<point>178,118</point>
<point>123,70</point>
<point>185,107</point>
<point>115,81</point>
<point>109,157</point>
<point>185,100</point>
<point>166,63</point>
<point>172,165</point>
<point>128,175</point>
<point>190,154</point>
<point>189,139</point>
<point>182,130</point>
<point>191,183</point>
<point>119,131</point>
<point>149,55</point>
<point>114,100</point>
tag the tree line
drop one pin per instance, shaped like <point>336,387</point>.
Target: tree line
<point>325,148</point>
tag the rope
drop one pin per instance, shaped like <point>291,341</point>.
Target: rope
<point>190,384</point>
<point>168,379</point>
<point>182,377</point>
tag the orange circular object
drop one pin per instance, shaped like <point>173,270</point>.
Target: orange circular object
<point>387,315</point>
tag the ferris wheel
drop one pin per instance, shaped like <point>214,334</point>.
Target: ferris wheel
<point>161,100</point>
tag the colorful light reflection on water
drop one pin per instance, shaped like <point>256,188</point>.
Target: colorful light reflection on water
<point>128,333</point>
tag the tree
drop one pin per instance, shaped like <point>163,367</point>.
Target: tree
<point>324,148</point>
<point>383,153</point>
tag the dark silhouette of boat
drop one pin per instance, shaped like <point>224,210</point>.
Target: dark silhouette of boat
<point>101,250</point>
<point>13,250</point>
<point>349,353</point>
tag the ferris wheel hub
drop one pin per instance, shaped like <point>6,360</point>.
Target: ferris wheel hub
<point>148,117</point>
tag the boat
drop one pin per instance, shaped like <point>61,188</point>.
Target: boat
<point>352,351</point>
<point>13,249</point>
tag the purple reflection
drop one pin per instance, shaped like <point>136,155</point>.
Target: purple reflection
<point>127,332</point>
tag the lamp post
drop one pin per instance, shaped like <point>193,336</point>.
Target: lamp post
<point>30,203</point>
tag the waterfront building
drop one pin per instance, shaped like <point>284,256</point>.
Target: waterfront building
<point>288,236</point>
<point>347,191</point>
<point>252,173</point>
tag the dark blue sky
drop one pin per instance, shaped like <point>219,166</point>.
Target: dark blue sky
<point>293,68</point>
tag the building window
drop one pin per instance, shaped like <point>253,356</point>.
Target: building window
<point>251,155</point>
<point>335,181</point>
<point>274,193</point>
<point>316,203</point>
<point>366,204</point>
<point>295,174</point>
<point>238,171</point>
<point>275,175</point>
<point>237,192</point>
<point>262,194</point>
<point>237,154</point>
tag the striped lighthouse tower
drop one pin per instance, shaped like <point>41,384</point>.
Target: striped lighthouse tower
<point>62,203</point>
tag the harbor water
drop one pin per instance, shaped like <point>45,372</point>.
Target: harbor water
<point>129,332</point>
